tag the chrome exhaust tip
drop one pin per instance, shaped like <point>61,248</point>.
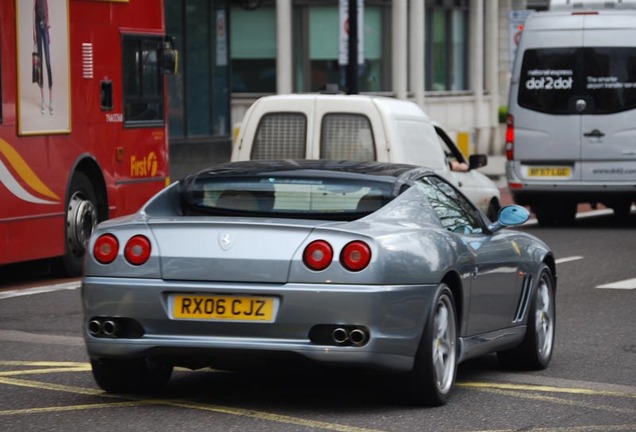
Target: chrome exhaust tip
<point>94,327</point>
<point>109,328</point>
<point>340,335</point>
<point>358,337</point>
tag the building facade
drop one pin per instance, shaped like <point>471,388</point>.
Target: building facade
<point>451,57</point>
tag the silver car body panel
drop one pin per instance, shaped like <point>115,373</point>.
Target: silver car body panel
<point>411,256</point>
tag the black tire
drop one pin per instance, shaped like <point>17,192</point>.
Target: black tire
<point>130,376</point>
<point>535,352</point>
<point>493,210</point>
<point>81,217</point>
<point>433,375</point>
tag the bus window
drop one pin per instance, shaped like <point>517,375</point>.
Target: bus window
<point>143,82</point>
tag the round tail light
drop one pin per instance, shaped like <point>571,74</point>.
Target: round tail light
<point>137,250</point>
<point>106,248</point>
<point>355,256</point>
<point>318,255</point>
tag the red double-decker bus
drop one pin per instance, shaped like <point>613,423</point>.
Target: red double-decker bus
<point>83,133</point>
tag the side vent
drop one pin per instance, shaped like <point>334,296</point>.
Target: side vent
<point>522,306</point>
<point>87,60</point>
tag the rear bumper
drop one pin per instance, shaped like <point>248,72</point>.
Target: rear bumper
<point>393,315</point>
<point>525,190</point>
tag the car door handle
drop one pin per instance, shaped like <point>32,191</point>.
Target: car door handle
<point>594,134</point>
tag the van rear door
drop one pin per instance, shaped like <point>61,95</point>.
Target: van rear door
<point>547,126</point>
<point>608,127</point>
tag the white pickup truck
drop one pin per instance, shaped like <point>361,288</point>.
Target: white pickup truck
<point>359,127</point>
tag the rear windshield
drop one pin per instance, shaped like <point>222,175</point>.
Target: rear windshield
<point>600,80</point>
<point>296,197</point>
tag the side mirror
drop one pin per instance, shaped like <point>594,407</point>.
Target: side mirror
<point>510,216</point>
<point>513,215</point>
<point>477,161</point>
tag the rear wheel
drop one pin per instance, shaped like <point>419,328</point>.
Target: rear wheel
<point>130,376</point>
<point>535,352</point>
<point>432,378</point>
<point>81,219</point>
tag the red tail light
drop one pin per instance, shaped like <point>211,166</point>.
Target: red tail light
<point>137,250</point>
<point>318,255</point>
<point>510,137</point>
<point>106,248</point>
<point>355,256</point>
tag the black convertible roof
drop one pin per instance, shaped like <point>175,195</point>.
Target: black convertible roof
<point>315,167</point>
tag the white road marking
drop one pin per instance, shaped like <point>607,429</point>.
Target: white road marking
<point>568,259</point>
<point>39,290</point>
<point>628,284</point>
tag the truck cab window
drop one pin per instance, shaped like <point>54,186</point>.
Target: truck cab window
<point>143,82</point>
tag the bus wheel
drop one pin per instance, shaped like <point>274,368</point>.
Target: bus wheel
<point>81,219</point>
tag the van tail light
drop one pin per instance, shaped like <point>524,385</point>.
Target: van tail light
<point>510,137</point>
<point>106,248</point>
<point>355,256</point>
<point>137,250</point>
<point>318,255</point>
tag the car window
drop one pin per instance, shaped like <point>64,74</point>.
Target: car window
<point>286,196</point>
<point>280,136</point>
<point>454,157</point>
<point>454,211</point>
<point>346,137</point>
<point>555,80</point>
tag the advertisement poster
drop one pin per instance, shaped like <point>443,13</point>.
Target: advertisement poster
<point>43,67</point>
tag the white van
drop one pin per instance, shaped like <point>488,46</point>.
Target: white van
<point>360,128</point>
<point>571,134</point>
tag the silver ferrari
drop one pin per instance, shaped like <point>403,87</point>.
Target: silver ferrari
<point>357,264</point>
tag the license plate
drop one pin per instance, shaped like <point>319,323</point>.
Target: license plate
<point>549,171</point>
<point>223,308</point>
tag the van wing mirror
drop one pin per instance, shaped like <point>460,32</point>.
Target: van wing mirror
<point>477,161</point>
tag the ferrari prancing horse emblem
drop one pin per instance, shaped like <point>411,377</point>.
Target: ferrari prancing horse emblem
<point>225,241</point>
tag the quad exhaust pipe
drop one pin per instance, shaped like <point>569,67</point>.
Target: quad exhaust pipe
<point>114,327</point>
<point>356,336</point>
<point>103,328</point>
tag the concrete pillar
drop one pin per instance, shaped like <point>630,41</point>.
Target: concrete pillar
<point>492,73</point>
<point>284,54</point>
<point>477,68</point>
<point>416,64</point>
<point>399,47</point>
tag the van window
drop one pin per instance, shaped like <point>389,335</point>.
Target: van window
<point>280,136</point>
<point>346,136</point>
<point>554,79</point>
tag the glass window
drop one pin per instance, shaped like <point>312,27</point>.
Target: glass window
<point>446,45</point>
<point>253,49</point>
<point>346,137</point>
<point>280,136</point>
<point>553,80</point>
<point>143,81</point>
<point>610,78</point>
<point>453,210</point>
<point>316,39</point>
<point>549,78</point>
<point>286,196</point>
<point>198,99</point>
